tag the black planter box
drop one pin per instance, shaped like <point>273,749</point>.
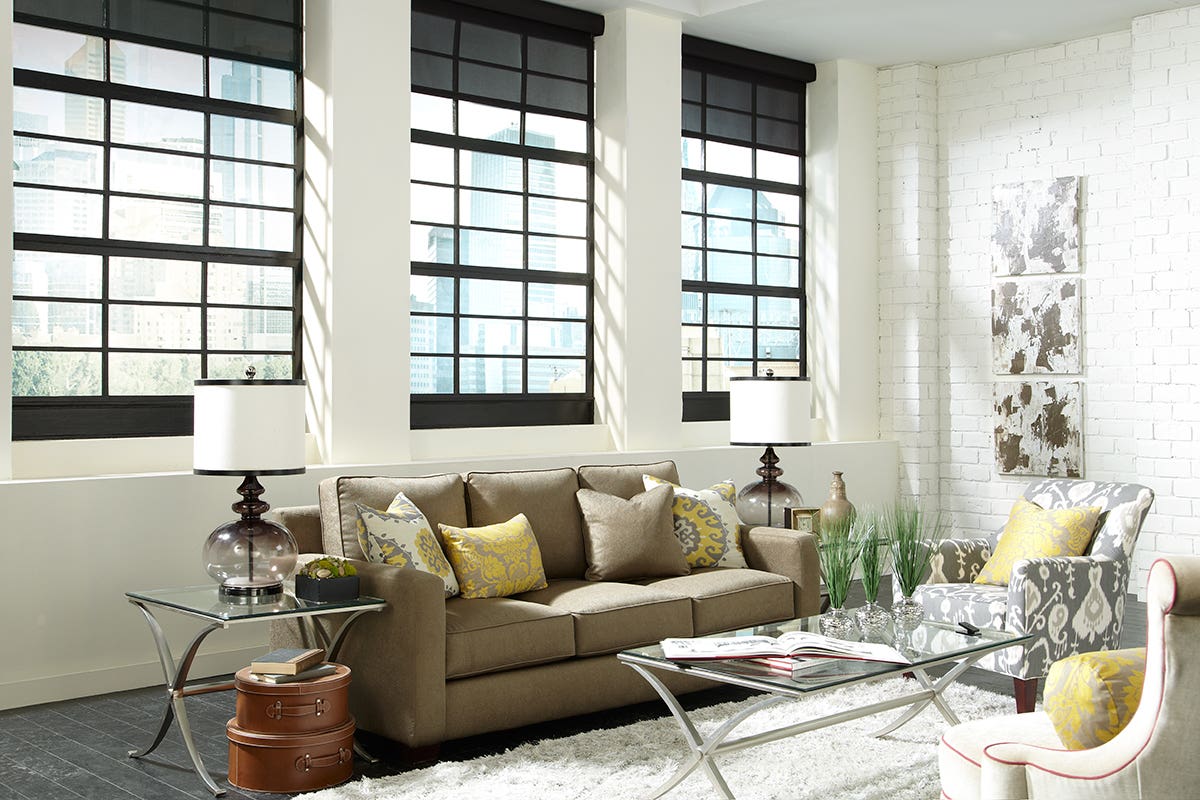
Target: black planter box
<point>327,590</point>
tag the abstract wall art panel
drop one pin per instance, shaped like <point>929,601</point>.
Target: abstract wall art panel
<point>1036,228</point>
<point>1039,428</point>
<point>1035,326</point>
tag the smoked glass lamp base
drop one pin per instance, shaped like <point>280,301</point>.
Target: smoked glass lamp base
<point>766,503</point>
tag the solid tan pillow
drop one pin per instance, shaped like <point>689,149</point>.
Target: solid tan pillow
<point>625,539</point>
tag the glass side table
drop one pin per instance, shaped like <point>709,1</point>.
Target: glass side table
<point>206,604</point>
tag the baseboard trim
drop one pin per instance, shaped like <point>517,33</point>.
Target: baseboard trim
<point>35,691</point>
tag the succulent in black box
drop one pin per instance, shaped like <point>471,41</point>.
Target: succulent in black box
<point>327,580</point>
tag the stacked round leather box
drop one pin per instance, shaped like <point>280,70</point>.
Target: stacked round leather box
<point>291,737</point>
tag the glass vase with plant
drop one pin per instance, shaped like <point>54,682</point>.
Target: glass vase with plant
<point>911,534</point>
<point>837,554</point>
<point>872,554</point>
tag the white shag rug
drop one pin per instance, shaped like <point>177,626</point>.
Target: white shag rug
<point>843,761</point>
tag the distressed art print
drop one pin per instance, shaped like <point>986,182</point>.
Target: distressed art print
<point>1038,428</point>
<point>1036,228</point>
<point>1035,326</point>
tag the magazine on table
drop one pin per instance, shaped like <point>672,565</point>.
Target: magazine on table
<point>799,644</point>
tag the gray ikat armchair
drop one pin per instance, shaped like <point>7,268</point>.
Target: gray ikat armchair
<point>1071,605</point>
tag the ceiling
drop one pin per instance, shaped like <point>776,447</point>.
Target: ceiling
<point>887,32</point>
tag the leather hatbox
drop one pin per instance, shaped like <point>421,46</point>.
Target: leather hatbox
<point>303,707</point>
<point>272,762</point>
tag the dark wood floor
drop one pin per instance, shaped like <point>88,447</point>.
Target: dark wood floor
<point>76,748</point>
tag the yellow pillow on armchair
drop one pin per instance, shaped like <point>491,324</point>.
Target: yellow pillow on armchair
<point>1036,532</point>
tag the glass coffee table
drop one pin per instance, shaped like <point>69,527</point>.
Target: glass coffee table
<point>206,604</point>
<point>929,644</point>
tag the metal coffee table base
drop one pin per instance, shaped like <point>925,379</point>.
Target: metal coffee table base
<point>705,751</point>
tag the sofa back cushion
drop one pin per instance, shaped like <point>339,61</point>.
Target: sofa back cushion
<point>439,497</point>
<point>625,480</point>
<point>547,499</point>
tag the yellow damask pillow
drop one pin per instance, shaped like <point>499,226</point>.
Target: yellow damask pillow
<point>1036,532</point>
<point>706,523</point>
<point>495,560</point>
<point>401,537</point>
<point>1090,697</point>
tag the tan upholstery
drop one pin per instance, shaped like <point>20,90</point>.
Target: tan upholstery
<point>625,480</point>
<point>305,524</point>
<point>791,554</point>
<point>547,499</point>
<point>630,539</point>
<point>1152,757</point>
<point>726,599</point>
<point>501,633</point>
<point>610,617</point>
<point>440,498</point>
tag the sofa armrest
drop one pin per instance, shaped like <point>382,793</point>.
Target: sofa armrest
<point>792,554</point>
<point>958,560</point>
<point>305,524</point>
<point>398,655</point>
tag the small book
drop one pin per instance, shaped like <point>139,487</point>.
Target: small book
<point>287,661</point>
<point>792,643</point>
<point>319,671</point>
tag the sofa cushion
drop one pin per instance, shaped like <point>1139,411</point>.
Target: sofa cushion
<point>494,560</point>
<point>630,538</point>
<point>706,524</point>
<point>610,617</point>
<point>979,604</point>
<point>1036,532</point>
<point>547,498</point>
<point>502,633</point>
<point>727,599</point>
<point>1090,697</point>
<point>624,480</point>
<point>440,497</point>
<point>401,537</point>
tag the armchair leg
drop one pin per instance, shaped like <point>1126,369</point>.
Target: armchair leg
<point>1025,692</point>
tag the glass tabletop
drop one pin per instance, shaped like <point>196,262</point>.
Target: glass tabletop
<point>207,602</point>
<point>928,644</point>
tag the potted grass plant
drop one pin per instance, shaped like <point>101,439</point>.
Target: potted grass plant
<point>837,553</point>
<point>872,555</point>
<point>911,532</point>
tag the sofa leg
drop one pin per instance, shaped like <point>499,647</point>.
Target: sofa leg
<point>1025,691</point>
<point>427,754</point>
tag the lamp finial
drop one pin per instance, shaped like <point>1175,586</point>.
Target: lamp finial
<point>250,372</point>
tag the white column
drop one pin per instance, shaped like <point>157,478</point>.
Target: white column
<point>843,305</point>
<point>639,383</point>
<point>356,250</point>
<point>6,236</point>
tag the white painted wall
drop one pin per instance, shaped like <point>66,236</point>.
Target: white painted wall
<point>90,539</point>
<point>1122,111</point>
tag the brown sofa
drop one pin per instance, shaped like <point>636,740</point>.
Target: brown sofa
<point>429,669</point>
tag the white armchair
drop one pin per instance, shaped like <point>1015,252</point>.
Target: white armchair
<point>1020,757</point>
<point>1071,605</point>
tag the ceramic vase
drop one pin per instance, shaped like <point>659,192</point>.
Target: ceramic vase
<point>837,507</point>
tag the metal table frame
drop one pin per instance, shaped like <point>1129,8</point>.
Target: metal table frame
<point>176,675</point>
<point>705,750</point>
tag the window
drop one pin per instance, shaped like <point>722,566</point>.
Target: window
<point>501,223</point>
<point>743,220</point>
<point>157,208</point>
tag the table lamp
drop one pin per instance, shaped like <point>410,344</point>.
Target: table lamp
<point>249,428</point>
<point>769,411</point>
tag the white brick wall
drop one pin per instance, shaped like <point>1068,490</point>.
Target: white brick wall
<point>1122,111</point>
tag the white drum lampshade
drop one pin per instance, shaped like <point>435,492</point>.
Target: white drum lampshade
<point>249,428</point>
<point>769,411</point>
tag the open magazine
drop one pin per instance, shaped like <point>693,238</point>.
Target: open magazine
<point>795,644</point>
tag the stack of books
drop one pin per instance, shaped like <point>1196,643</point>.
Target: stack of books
<point>291,664</point>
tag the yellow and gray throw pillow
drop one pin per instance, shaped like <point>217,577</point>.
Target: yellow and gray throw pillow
<point>1036,532</point>
<point>401,536</point>
<point>495,560</point>
<point>706,524</point>
<point>1090,697</point>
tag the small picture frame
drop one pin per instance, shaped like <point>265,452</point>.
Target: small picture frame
<point>806,520</point>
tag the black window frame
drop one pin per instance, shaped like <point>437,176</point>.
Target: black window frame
<point>458,409</point>
<point>759,70</point>
<point>123,416</point>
